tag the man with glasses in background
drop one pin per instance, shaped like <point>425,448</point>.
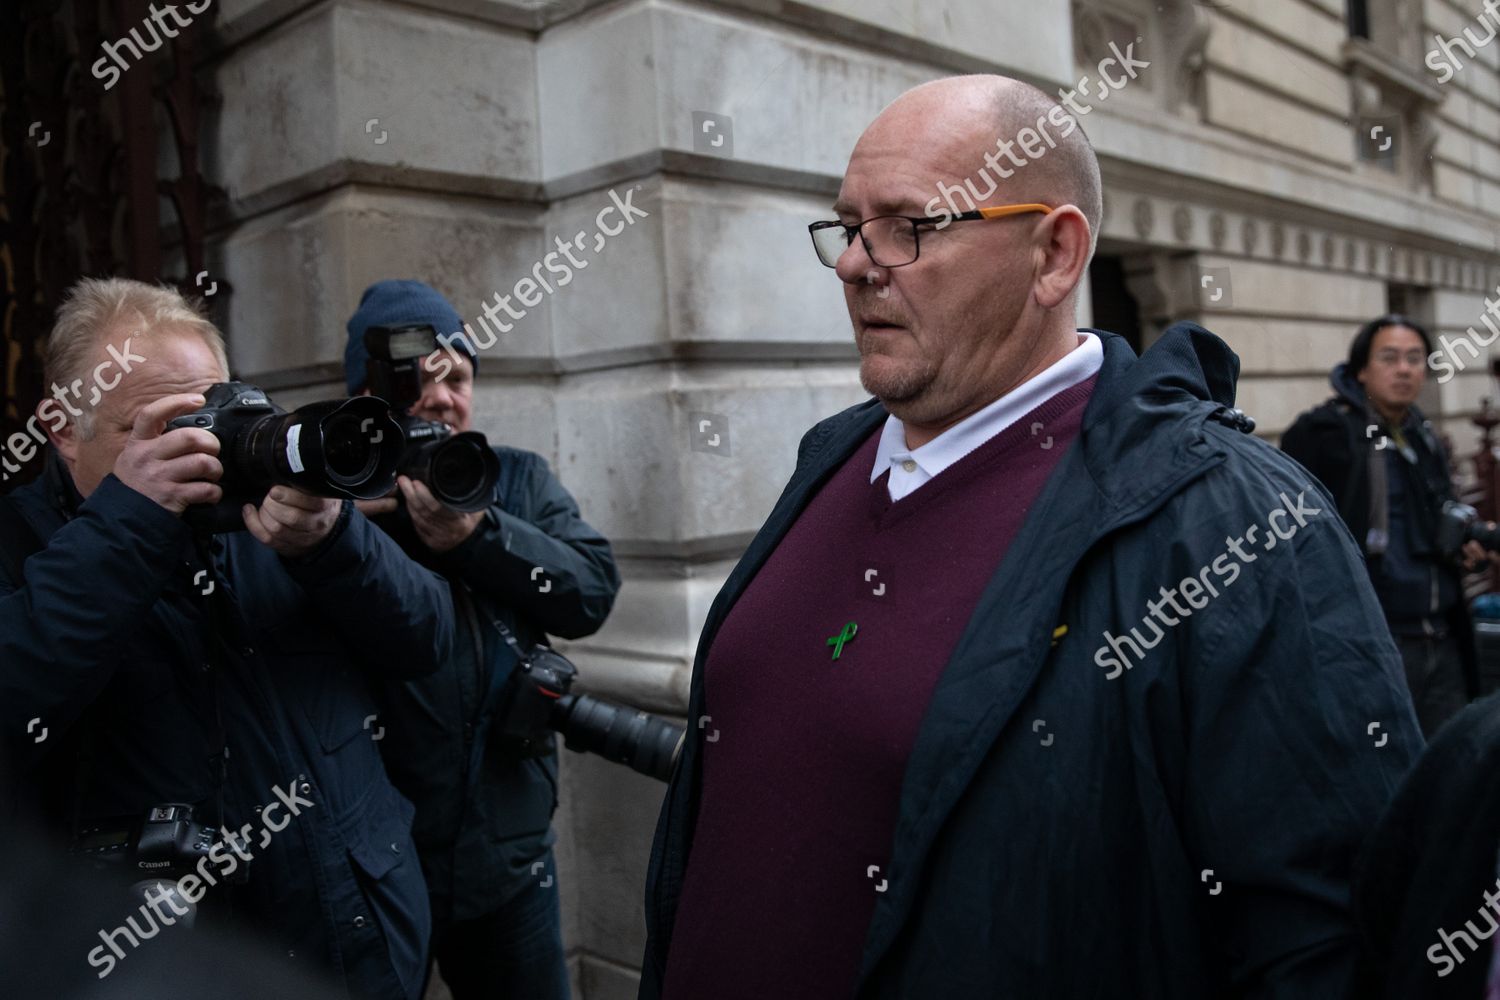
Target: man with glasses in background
<point>948,765</point>
<point>1377,454</point>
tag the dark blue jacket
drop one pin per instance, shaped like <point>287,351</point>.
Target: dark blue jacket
<point>1335,443</point>
<point>484,815</point>
<point>1426,886</point>
<point>108,642</point>
<point>1187,828</point>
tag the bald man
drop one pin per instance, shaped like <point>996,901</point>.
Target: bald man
<point>1044,678</point>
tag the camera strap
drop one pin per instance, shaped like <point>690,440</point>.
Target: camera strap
<point>509,637</point>
<point>216,663</point>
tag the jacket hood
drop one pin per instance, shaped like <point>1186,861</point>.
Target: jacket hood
<point>1187,362</point>
<point>1347,386</point>
<point>1143,427</point>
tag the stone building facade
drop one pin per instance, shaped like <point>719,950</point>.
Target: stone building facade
<point>1280,171</point>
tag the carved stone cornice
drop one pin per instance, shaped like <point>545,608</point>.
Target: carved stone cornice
<point>1153,223</point>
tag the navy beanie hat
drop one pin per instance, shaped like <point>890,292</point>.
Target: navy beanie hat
<point>397,303</point>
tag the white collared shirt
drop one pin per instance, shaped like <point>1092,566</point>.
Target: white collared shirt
<point>912,468</point>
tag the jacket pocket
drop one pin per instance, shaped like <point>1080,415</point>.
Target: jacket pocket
<point>381,842</point>
<point>385,867</point>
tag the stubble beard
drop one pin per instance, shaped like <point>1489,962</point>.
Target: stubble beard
<point>896,383</point>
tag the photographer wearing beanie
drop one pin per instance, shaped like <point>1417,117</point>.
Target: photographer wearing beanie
<point>527,564</point>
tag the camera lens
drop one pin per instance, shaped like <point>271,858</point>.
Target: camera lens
<point>458,472</point>
<point>645,743</point>
<point>330,448</point>
<point>460,469</point>
<point>341,447</point>
<point>349,454</point>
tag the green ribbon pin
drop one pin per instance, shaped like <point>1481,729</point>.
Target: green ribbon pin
<point>837,641</point>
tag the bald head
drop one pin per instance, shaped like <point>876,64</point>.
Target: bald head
<point>948,318</point>
<point>1007,143</point>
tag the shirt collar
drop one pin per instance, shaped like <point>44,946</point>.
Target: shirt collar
<point>1078,365</point>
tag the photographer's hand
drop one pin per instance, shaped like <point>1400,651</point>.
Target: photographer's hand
<point>292,522</point>
<point>439,528</point>
<point>177,469</point>
<point>1474,554</point>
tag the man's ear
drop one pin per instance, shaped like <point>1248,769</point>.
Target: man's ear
<point>1062,255</point>
<point>61,432</point>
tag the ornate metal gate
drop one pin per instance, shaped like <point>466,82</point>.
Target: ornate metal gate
<point>81,191</point>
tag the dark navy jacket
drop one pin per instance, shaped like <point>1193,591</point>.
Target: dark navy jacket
<point>1335,443</point>
<point>108,643</point>
<point>484,815</point>
<point>1426,888</point>
<point>1188,828</point>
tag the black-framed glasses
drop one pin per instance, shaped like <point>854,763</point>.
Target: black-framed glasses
<point>891,240</point>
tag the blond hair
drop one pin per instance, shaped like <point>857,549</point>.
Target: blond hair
<point>95,307</point>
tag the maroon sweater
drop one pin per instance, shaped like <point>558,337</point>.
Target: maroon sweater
<point>801,783</point>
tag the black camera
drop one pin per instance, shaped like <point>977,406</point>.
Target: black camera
<point>331,448</point>
<point>164,842</point>
<point>1460,523</point>
<point>156,849</point>
<point>460,469</point>
<point>536,703</point>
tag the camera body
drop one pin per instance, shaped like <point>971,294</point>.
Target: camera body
<point>163,843</point>
<point>1460,523</point>
<point>331,448</point>
<point>529,704</point>
<point>460,469</point>
<point>153,851</point>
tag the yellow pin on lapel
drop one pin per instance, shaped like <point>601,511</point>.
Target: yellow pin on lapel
<point>1058,633</point>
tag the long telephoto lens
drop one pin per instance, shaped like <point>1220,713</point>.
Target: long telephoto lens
<point>646,743</point>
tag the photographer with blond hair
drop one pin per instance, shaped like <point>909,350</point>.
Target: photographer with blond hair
<point>152,679</point>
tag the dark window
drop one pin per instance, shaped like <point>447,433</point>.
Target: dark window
<point>1115,309</point>
<point>1359,19</point>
